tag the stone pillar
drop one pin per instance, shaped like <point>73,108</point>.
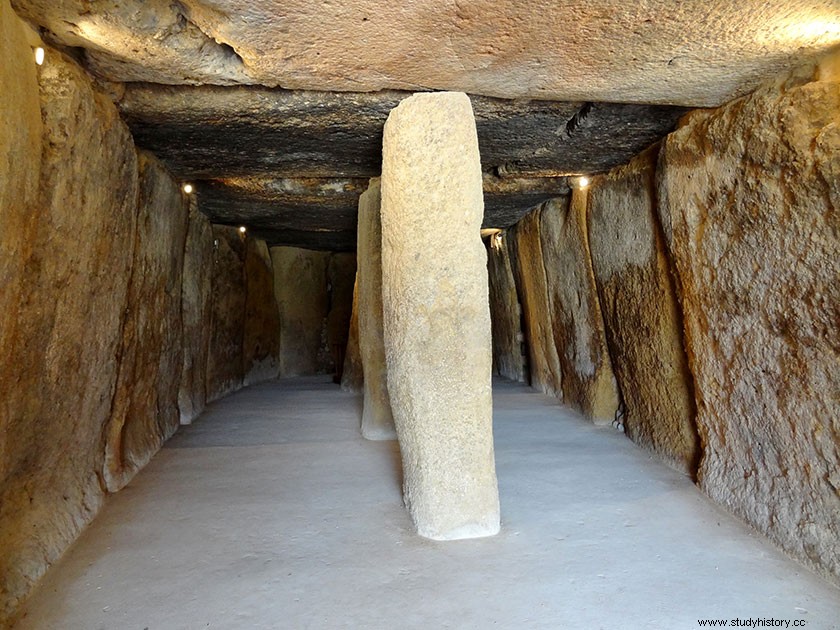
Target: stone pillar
<point>351,375</point>
<point>504,312</point>
<point>437,317</point>
<point>377,420</point>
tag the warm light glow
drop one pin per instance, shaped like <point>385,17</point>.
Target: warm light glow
<point>40,53</point>
<point>188,188</point>
<point>243,229</point>
<point>583,182</point>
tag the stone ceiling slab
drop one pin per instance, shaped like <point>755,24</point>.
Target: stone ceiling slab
<point>660,51</point>
<point>218,132</point>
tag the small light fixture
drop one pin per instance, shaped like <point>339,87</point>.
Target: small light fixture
<point>242,229</point>
<point>40,53</point>
<point>583,182</point>
<point>187,188</point>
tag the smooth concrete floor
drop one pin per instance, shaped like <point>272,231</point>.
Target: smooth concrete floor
<point>272,512</point>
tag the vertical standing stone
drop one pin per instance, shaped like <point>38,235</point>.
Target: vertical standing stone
<point>300,287</point>
<point>588,380</point>
<point>436,316</point>
<point>529,271</point>
<point>261,341</point>
<point>352,375</point>
<point>341,277</point>
<point>377,420</point>
<point>504,312</point>
<point>196,315</point>
<point>641,313</point>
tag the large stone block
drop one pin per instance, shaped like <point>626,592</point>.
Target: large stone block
<point>527,263</point>
<point>642,317</point>
<point>145,408</point>
<point>377,419</point>
<point>341,281</point>
<point>225,365</point>
<point>504,312</point>
<point>261,335</point>
<point>300,287</point>
<point>750,206</point>
<point>352,376</point>
<point>196,315</point>
<point>588,380</point>
<point>64,286</point>
<point>436,316</point>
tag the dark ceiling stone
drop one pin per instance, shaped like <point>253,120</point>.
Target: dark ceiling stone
<point>297,161</point>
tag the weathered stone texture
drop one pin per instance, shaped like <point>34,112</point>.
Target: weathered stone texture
<point>588,380</point>
<point>377,419</point>
<point>196,315</point>
<point>504,312</point>
<point>300,287</point>
<point>436,316</point>
<point>62,321</point>
<point>527,262</point>
<point>658,51</point>
<point>261,338</point>
<point>225,365</point>
<point>749,200</point>
<point>145,408</point>
<point>641,314</point>
<point>341,280</point>
<point>352,376</point>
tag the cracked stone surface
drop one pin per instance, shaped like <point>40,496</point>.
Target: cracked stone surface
<point>582,50</point>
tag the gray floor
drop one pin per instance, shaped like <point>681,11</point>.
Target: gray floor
<point>271,512</point>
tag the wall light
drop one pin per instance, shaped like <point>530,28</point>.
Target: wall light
<point>583,182</point>
<point>187,188</point>
<point>40,53</point>
<point>242,229</point>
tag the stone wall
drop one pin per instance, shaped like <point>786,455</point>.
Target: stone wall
<point>104,288</point>
<point>587,377</point>
<point>529,271</point>
<point>749,196</point>
<point>641,313</point>
<point>505,312</point>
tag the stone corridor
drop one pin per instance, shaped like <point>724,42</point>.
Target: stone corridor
<point>273,512</point>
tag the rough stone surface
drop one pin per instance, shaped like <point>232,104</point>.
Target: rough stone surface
<point>377,418</point>
<point>504,312</point>
<point>225,140</point>
<point>341,281</point>
<point>749,199</point>
<point>62,304</point>
<point>352,376</point>
<point>145,407</point>
<point>225,365</point>
<point>612,51</point>
<point>300,287</point>
<point>588,380</point>
<point>261,338</point>
<point>196,315</point>
<point>642,317</point>
<point>527,262</point>
<point>436,316</point>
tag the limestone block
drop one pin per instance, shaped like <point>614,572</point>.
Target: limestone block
<point>300,287</point>
<point>377,419</point>
<point>225,366</point>
<point>588,380</point>
<point>63,302</point>
<point>750,205</point>
<point>526,258</point>
<point>341,280</point>
<point>641,314</point>
<point>196,315</point>
<point>436,316</point>
<point>261,335</point>
<point>352,376</point>
<point>504,312</point>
